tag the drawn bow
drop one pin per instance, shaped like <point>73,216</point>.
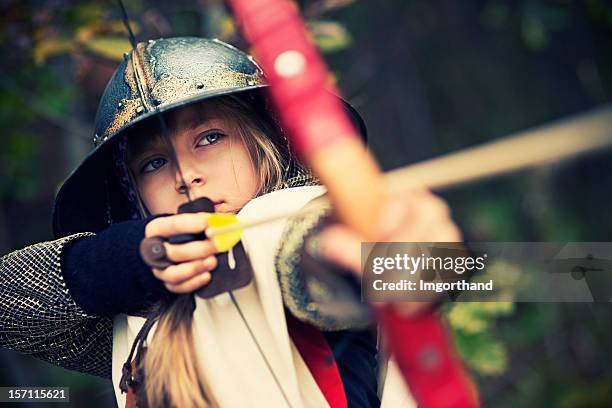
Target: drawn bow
<point>325,138</point>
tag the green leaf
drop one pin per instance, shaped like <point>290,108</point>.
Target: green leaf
<point>476,317</point>
<point>50,47</point>
<point>483,353</point>
<point>330,36</point>
<point>108,47</point>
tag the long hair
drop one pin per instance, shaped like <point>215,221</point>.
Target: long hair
<point>172,375</point>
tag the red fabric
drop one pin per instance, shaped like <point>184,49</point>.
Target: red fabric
<point>425,355</point>
<point>319,359</point>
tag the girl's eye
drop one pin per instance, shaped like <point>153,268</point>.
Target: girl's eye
<point>210,138</point>
<point>153,165</point>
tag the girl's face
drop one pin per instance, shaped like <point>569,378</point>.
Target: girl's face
<point>212,156</point>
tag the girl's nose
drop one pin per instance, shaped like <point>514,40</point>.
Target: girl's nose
<point>189,180</point>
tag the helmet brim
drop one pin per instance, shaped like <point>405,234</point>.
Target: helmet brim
<point>91,198</point>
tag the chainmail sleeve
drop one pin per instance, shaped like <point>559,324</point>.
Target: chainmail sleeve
<point>39,317</point>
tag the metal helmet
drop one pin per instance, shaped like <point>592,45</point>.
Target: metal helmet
<point>156,77</point>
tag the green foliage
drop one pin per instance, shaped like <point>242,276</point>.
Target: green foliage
<point>20,152</point>
<point>87,26</point>
<point>477,317</point>
<point>19,155</point>
<point>529,325</point>
<point>52,93</point>
<point>109,47</point>
<point>482,352</point>
<point>491,216</point>
<point>560,225</point>
<point>330,36</point>
<point>472,323</point>
<point>585,395</point>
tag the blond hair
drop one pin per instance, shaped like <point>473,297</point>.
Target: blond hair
<point>173,377</point>
<point>260,137</point>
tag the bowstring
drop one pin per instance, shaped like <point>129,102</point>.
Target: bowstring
<point>156,111</point>
<point>126,23</point>
<point>174,157</point>
<point>252,334</point>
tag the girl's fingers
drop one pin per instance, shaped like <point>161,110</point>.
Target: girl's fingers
<point>189,223</point>
<point>189,251</point>
<point>180,273</point>
<point>190,285</point>
<point>418,216</point>
<point>421,219</point>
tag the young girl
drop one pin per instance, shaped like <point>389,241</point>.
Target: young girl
<point>82,301</point>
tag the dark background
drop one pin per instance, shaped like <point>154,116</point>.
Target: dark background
<point>429,77</point>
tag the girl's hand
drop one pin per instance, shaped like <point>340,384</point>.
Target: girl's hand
<point>416,216</point>
<point>194,260</point>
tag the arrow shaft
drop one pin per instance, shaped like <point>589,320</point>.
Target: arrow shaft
<point>553,143</point>
<point>246,224</point>
<point>561,140</point>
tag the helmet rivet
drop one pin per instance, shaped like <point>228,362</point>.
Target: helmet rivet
<point>120,105</point>
<point>199,85</point>
<point>156,101</point>
<point>139,110</point>
<point>290,63</point>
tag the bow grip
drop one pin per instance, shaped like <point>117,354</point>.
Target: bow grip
<point>152,249</point>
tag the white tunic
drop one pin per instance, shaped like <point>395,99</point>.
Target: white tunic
<point>229,358</point>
